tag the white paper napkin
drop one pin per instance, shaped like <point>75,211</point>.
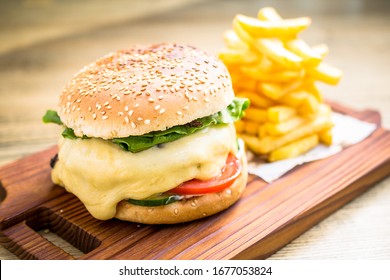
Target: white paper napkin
<point>346,131</point>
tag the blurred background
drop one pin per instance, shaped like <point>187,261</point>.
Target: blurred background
<point>44,42</point>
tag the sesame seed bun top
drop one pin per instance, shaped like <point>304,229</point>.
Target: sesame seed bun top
<point>144,89</point>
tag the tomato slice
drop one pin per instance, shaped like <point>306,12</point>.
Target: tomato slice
<point>228,174</point>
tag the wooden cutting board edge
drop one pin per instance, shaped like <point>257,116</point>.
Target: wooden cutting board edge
<point>293,229</point>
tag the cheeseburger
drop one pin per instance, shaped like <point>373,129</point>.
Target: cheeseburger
<point>149,136</point>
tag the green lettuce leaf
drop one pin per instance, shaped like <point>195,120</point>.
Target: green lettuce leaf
<point>69,133</point>
<point>51,116</point>
<point>231,114</point>
<point>140,143</point>
<point>237,108</point>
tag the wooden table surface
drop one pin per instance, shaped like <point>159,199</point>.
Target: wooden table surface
<point>42,43</point>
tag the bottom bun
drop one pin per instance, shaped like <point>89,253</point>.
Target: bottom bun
<point>187,209</point>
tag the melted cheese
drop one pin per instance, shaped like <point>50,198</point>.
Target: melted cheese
<point>101,174</point>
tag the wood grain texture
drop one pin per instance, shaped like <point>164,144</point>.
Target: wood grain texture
<point>81,17</point>
<point>266,218</point>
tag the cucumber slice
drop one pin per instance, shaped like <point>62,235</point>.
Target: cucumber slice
<point>158,200</point>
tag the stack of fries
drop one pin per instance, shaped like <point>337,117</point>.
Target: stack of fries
<point>277,71</point>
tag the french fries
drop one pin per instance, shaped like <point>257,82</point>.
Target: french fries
<point>277,70</point>
<point>256,99</point>
<point>237,56</point>
<point>255,115</point>
<point>281,28</point>
<point>278,114</point>
<point>269,143</point>
<point>325,136</point>
<point>300,48</point>
<point>325,73</point>
<point>294,149</point>
<point>276,129</point>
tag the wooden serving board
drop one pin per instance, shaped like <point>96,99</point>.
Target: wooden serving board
<point>266,218</point>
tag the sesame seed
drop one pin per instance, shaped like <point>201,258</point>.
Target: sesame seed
<point>147,121</point>
<point>120,113</point>
<point>105,104</point>
<point>207,100</point>
<point>133,125</point>
<point>136,105</point>
<point>151,100</point>
<point>126,108</point>
<point>194,98</point>
<point>186,108</point>
<point>140,119</point>
<point>131,112</point>
<point>161,97</point>
<point>179,113</point>
<point>105,117</point>
<point>94,116</point>
<point>162,111</point>
<point>126,119</point>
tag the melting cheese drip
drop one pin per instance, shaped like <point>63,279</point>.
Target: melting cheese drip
<point>101,174</point>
